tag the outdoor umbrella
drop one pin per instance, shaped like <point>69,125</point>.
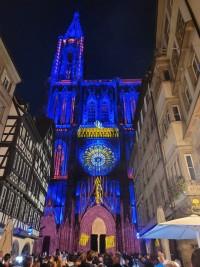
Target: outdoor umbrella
<point>182,228</point>
<point>6,239</point>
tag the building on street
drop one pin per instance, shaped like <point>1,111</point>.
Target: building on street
<point>165,157</point>
<point>25,160</point>
<point>9,78</point>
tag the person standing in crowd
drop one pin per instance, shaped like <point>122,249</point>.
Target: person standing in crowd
<point>27,262</point>
<point>6,260</point>
<point>171,264</point>
<point>89,259</point>
<point>195,258</point>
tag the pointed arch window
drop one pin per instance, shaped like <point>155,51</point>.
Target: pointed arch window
<point>104,111</point>
<point>92,111</point>
<point>64,110</point>
<point>60,160</point>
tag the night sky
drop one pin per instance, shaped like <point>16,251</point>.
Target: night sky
<point>119,39</point>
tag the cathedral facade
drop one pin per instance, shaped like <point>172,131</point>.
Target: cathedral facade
<point>90,202</point>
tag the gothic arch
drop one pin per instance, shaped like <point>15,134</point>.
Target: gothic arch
<point>104,108</point>
<point>15,248</point>
<point>91,111</point>
<point>26,249</point>
<point>88,219</point>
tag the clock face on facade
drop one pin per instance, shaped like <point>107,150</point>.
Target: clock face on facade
<point>98,159</point>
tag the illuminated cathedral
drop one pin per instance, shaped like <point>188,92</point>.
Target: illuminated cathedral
<point>90,201</point>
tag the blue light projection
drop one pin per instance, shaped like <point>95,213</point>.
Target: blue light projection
<point>85,195</point>
<point>57,195</point>
<point>98,158</point>
<point>132,200</point>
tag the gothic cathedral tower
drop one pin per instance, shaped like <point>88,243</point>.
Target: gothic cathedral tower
<point>90,201</point>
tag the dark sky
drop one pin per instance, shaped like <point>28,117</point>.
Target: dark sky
<point>119,38</point>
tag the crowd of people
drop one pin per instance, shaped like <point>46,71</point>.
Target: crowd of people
<point>93,259</point>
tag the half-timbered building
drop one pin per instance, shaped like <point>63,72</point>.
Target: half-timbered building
<point>25,158</point>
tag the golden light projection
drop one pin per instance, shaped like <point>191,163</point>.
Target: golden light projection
<point>98,191</point>
<point>84,238</point>
<point>110,241</point>
<point>98,132</point>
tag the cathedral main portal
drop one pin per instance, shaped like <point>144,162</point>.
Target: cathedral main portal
<point>97,230</point>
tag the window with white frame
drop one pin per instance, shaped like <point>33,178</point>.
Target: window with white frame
<point>180,27</point>
<point>16,207</point>
<point>187,96</point>
<point>190,166</point>
<point>166,121</point>
<point>10,202</point>
<point>176,113</point>
<point>6,82</point>
<point>195,66</point>
<point>3,197</point>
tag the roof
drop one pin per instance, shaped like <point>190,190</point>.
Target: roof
<point>74,29</point>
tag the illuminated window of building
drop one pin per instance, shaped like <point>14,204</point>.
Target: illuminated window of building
<point>180,27</point>
<point>176,113</point>
<point>190,166</point>
<point>16,207</point>
<point>10,202</point>
<point>6,82</point>
<point>3,197</point>
<point>92,112</point>
<point>104,111</point>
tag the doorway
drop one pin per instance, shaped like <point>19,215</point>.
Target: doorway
<point>98,243</point>
<point>94,242</point>
<point>46,244</point>
<point>102,243</point>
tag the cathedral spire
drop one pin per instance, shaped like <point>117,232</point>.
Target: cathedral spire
<point>68,63</point>
<point>74,30</point>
